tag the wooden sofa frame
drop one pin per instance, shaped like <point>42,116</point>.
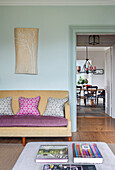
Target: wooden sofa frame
<point>36,131</point>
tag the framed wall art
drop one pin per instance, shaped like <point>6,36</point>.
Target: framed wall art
<point>99,72</point>
<point>26,46</point>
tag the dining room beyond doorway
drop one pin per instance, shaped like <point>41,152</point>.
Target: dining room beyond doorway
<point>94,74</point>
<point>91,87</point>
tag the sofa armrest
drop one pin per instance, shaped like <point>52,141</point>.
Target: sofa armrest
<point>67,111</point>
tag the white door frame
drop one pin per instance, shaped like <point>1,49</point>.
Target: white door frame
<point>113,83</point>
<point>73,30</point>
<point>108,88</point>
<point>112,73</point>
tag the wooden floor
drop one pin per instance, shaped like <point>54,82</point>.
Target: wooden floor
<point>97,124</point>
<point>91,111</point>
<point>89,129</point>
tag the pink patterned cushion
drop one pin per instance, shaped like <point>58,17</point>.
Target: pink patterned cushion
<point>29,106</point>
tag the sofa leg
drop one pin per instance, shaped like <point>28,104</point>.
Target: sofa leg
<point>23,141</point>
<point>69,138</point>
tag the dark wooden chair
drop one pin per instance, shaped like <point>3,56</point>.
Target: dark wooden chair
<point>90,94</point>
<point>85,92</point>
<point>78,89</point>
<point>102,96</point>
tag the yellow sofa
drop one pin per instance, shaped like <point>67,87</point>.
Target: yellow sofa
<point>36,131</point>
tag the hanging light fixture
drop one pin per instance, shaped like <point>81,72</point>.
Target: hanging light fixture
<point>87,67</point>
<point>94,39</point>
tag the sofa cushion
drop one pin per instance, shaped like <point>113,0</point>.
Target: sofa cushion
<point>29,106</point>
<point>6,106</point>
<point>32,121</point>
<point>55,107</point>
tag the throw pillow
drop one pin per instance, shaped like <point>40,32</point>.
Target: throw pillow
<point>55,107</point>
<point>6,106</point>
<point>28,106</point>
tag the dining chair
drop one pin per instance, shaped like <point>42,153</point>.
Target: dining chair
<point>102,96</point>
<point>78,89</point>
<point>90,94</point>
<point>85,92</point>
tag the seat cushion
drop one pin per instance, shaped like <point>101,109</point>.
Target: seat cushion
<point>32,121</point>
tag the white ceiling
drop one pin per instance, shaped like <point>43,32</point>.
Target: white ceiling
<point>57,2</point>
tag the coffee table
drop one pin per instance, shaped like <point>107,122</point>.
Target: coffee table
<point>26,160</point>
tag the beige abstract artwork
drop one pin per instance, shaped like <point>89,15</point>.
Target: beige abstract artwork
<point>26,46</point>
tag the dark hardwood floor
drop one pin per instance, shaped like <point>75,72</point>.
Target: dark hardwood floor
<point>89,129</point>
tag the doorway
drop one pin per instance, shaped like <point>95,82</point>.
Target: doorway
<point>94,69</point>
<point>72,69</point>
<point>95,104</point>
<point>99,104</point>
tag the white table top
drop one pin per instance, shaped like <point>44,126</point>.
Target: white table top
<point>26,160</point>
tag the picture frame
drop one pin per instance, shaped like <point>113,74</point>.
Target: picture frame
<point>99,72</point>
<point>26,47</point>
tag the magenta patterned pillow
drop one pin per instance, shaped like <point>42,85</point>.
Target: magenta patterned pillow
<point>29,106</point>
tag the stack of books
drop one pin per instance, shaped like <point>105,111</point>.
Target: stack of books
<point>52,153</point>
<point>82,153</point>
<point>86,153</point>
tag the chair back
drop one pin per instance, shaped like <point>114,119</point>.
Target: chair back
<point>101,93</point>
<point>87,86</point>
<point>93,88</point>
<point>78,89</point>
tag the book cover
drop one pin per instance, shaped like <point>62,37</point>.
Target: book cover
<point>86,153</point>
<point>68,167</point>
<point>52,153</point>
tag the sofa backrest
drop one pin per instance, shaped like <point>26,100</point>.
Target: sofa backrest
<point>44,94</point>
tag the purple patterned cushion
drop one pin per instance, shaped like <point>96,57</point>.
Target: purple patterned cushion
<point>29,106</point>
<point>32,121</point>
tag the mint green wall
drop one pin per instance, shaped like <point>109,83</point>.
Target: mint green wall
<point>54,61</point>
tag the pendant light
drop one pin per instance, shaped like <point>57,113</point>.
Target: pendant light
<point>87,67</point>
